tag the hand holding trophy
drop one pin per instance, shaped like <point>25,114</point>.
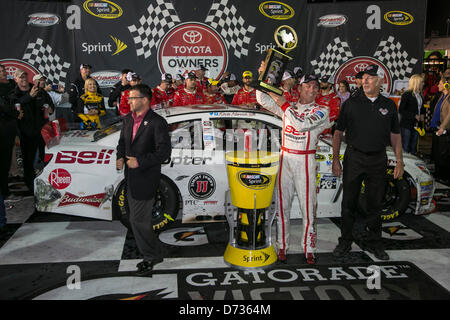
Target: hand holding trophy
<point>271,71</point>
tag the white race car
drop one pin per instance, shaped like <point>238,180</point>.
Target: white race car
<point>80,176</point>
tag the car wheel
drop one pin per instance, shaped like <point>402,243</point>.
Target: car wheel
<point>165,208</point>
<point>396,198</point>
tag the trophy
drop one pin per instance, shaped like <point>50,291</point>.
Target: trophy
<point>276,60</point>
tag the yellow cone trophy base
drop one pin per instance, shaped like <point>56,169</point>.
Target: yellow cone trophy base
<point>251,177</point>
<point>244,259</point>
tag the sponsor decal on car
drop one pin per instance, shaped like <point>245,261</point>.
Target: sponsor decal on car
<point>60,178</point>
<point>202,186</point>
<point>106,78</point>
<point>103,9</point>
<point>398,18</point>
<point>276,10</point>
<point>332,20</point>
<point>84,157</point>
<point>94,200</point>
<point>43,19</point>
<point>189,45</point>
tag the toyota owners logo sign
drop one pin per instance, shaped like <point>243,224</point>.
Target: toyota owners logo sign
<point>190,45</point>
<point>349,69</point>
<point>12,65</point>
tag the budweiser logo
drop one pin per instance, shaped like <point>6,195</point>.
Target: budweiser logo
<point>94,200</point>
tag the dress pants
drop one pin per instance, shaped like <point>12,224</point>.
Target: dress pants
<point>370,167</point>
<point>141,225</point>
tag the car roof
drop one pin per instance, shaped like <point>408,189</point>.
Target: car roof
<point>202,108</point>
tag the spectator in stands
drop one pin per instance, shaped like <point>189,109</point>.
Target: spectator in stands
<point>189,95</point>
<point>32,100</point>
<point>116,91</point>
<point>124,107</point>
<point>77,87</point>
<point>328,98</point>
<point>91,106</point>
<point>8,129</point>
<point>287,85</point>
<point>229,87</point>
<point>343,91</point>
<point>246,96</point>
<point>412,113</point>
<point>212,95</point>
<point>160,96</point>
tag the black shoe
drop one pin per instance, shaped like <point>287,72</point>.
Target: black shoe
<point>342,249</point>
<point>146,267</point>
<point>378,252</point>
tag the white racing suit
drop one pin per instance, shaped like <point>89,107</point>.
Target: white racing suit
<point>302,125</point>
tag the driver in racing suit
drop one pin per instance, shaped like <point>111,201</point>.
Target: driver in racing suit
<point>302,125</point>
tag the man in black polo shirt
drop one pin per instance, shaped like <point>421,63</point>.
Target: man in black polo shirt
<point>370,122</point>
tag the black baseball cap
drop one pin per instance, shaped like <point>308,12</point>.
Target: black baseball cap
<point>374,70</point>
<point>167,77</point>
<point>85,65</point>
<point>325,79</point>
<point>203,68</point>
<point>191,75</point>
<point>308,78</point>
<point>359,75</point>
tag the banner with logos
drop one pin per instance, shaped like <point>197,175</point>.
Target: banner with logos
<point>150,37</point>
<point>345,39</point>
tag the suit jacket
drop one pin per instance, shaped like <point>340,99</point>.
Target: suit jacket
<point>408,110</point>
<point>151,147</point>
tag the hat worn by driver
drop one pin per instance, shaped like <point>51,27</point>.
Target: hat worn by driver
<point>191,75</point>
<point>374,70</point>
<point>166,77</point>
<point>308,78</point>
<point>287,75</point>
<point>247,74</point>
<point>133,76</point>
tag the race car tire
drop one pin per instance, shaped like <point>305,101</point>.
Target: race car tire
<point>396,199</point>
<point>165,208</point>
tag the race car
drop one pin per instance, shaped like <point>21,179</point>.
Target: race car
<point>80,176</point>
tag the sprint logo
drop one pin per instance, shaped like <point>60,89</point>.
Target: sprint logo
<point>114,47</point>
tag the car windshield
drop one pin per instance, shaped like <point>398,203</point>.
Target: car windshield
<point>109,126</point>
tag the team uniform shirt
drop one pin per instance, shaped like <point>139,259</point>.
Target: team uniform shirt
<point>91,101</point>
<point>332,101</point>
<point>368,124</point>
<point>214,99</point>
<point>160,98</point>
<point>124,106</point>
<point>243,97</point>
<point>201,84</point>
<point>291,96</point>
<point>185,98</point>
<point>302,125</point>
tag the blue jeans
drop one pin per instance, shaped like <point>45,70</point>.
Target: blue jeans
<point>2,211</point>
<point>409,140</point>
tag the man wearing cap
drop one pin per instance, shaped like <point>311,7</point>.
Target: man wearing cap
<point>358,81</point>
<point>116,91</point>
<point>202,81</point>
<point>229,87</point>
<point>124,107</point>
<point>77,87</point>
<point>160,97</point>
<point>329,99</point>
<point>370,122</point>
<point>212,95</point>
<point>33,101</point>
<point>178,84</point>
<point>287,85</point>
<point>189,95</point>
<point>302,124</point>
<point>246,96</point>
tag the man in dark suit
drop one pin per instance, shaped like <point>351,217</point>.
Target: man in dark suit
<point>144,145</point>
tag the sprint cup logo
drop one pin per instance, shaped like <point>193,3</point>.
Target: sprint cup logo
<point>105,47</point>
<point>189,45</point>
<point>254,180</point>
<point>103,9</point>
<point>350,68</point>
<point>276,10</point>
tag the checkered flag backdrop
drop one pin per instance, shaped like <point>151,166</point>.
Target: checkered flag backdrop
<point>394,58</point>
<point>153,27</point>
<point>233,29</point>
<point>46,62</point>
<point>330,60</point>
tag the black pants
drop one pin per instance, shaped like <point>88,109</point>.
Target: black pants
<point>6,148</point>
<point>141,225</point>
<point>440,152</point>
<point>29,146</point>
<point>371,168</point>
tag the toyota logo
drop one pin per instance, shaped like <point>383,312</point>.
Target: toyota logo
<point>360,67</point>
<point>192,37</point>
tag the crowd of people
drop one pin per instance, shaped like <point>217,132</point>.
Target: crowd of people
<point>26,107</point>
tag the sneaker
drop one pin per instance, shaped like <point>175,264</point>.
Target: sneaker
<point>310,258</point>
<point>342,249</point>
<point>378,252</point>
<point>282,256</point>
